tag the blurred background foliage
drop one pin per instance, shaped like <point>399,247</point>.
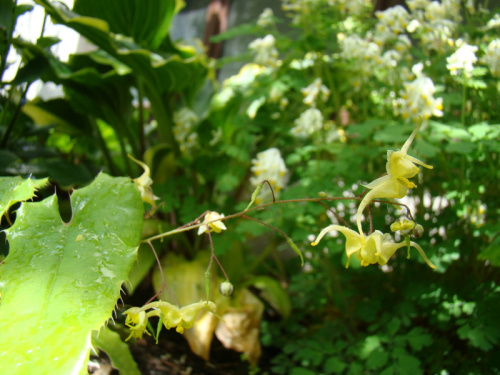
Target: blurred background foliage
<point>332,85</point>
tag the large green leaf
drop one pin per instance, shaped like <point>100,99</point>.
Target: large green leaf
<point>162,73</point>
<point>17,189</point>
<point>61,280</point>
<point>147,22</point>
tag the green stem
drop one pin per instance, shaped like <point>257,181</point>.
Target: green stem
<point>3,61</point>
<point>464,100</point>
<point>6,135</point>
<point>12,122</point>
<point>165,124</point>
<point>104,148</point>
<point>142,139</point>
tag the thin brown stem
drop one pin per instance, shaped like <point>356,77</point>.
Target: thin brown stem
<point>337,216</point>
<point>164,283</point>
<point>196,224</point>
<point>213,256</point>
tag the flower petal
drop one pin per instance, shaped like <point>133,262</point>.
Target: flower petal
<point>419,249</point>
<point>389,188</point>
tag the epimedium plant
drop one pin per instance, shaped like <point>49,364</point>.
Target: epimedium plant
<point>326,95</point>
<point>314,113</point>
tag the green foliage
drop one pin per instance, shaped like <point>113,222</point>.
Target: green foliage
<point>17,189</point>
<point>203,146</point>
<point>117,351</point>
<point>60,280</point>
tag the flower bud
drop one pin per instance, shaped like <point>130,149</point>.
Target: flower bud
<point>404,225</point>
<point>418,231</point>
<point>226,288</point>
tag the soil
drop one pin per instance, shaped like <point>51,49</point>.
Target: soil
<point>173,356</point>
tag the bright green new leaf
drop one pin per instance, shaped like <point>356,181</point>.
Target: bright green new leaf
<point>61,280</point>
<point>272,292</point>
<point>17,189</point>
<point>116,349</point>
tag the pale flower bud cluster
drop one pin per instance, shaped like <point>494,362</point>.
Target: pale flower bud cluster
<point>461,63</point>
<point>265,52</point>
<point>309,122</point>
<point>492,57</point>
<point>269,165</point>
<point>185,121</point>
<point>315,90</point>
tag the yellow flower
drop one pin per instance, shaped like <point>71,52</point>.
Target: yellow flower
<point>182,318</point>
<point>214,225</point>
<point>137,321</point>
<point>172,316</point>
<point>395,184</point>
<point>375,248</point>
<point>404,225</point>
<point>144,183</point>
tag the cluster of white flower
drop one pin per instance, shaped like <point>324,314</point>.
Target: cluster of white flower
<point>269,165</point>
<point>434,22</point>
<point>265,51</point>
<point>309,122</point>
<point>492,57</point>
<point>185,121</point>
<point>266,18</point>
<point>493,23</point>
<point>357,7</point>
<point>389,66</point>
<point>313,91</point>
<point>461,63</point>
<point>367,54</point>
<point>394,20</point>
<point>418,100</point>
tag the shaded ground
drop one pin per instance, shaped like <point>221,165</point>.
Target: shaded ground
<point>172,355</point>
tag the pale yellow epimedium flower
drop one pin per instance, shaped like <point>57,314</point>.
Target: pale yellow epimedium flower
<point>395,184</point>
<point>171,316</point>
<point>182,318</point>
<point>137,321</point>
<point>404,225</point>
<point>214,223</point>
<point>407,227</point>
<point>144,183</point>
<point>375,248</point>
